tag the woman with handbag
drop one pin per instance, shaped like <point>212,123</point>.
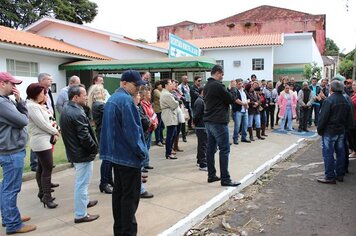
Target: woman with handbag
<point>150,113</point>
<point>254,104</point>
<point>169,107</point>
<point>181,117</point>
<point>96,103</point>
<point>44,133</point>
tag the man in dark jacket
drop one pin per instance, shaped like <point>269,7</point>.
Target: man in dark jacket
<point>13,139</point>
<point>216,117</point>
<point>335,118</point>
<point>194,89</point>
<point>81,148</point>
<point>200,130</point>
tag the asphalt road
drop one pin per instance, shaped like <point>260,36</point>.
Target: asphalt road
<point>288,201</point>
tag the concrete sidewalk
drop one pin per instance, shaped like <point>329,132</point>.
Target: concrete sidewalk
<point>179,188</point>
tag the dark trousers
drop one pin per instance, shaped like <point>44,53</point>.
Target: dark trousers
<point>159,129</point>
<point>277,117</point>
<point>352,139</point>
<point>33,160</point>
<point>316,109</point>
<point>270,115</point>
<point>187,105</point>
<point>105,173</point>
<point>171,131</point>
<point>125,199</point>
<point>181,127</point>
<point>303,119</point>
<point>44,172</point>
<point>202,136</point>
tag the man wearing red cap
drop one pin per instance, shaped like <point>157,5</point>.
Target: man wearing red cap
<point>13,139</point>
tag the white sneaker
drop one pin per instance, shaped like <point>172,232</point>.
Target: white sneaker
<point>203,168</point>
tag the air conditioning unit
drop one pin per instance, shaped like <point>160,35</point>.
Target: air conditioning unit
<point>237,63</point>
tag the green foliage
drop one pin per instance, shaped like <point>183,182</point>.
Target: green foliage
<point>331,49</point>
<point>21,13</point>
<point>346,67</point>
<point>350,55</point>
<point>312,70</point>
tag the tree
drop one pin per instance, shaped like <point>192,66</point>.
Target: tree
<point>331,49</point>
<point>345,68</point>
<point>311,70</point>
<point>21,13</point>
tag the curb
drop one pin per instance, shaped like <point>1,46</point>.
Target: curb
<point>182,226</point>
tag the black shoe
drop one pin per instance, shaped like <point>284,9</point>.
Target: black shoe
<point>184,139</point>
<point>236,142</point>
<point>54,185</point>
<point>149,167</point>
<point>213,179</point>
<point>105,188</point>
<point>144,170</point>
<point>245,141</point>
<point>229,183</point>
<point>171,157</point>
<point>146,194</point>
<point>49,204</point>
<point>87,218</point>
<point>92,203</point>
<point>34,169</point>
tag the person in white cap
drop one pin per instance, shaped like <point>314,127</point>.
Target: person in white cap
<point>13,139</point>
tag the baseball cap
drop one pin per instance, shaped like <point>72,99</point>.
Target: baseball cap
<point>7,77</point>
<point>133,76</point>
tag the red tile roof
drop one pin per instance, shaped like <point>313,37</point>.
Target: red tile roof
<point>12,36</point>
<point>232,42</point>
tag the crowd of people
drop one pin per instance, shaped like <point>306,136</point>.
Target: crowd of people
<point>125,121</point>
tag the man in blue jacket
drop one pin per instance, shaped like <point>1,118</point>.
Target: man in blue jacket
<point>123,143</point>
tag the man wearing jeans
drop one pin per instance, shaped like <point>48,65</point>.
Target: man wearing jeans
<point>123,144</point>
<point>216,117</point>
<point>335,118</point>
<point>13,139</point>
<point>240,113</point>
<point>81,148</point>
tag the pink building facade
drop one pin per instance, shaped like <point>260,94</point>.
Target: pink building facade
<point>259,20</point>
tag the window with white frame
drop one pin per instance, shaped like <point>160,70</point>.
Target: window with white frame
<point>22,68</point>
<point>258,64</point>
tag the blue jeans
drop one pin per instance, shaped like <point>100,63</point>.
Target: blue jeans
<point>83,173</point>
<point>159,129</point>
<point>331,144</point>
<point>12,167</point>
<point>287,117</point>
<point>257,119</point>
<point>148,139</point>
<point>238,118</point>
<point>316,109</point>
<point>218,136</point>
<point>171,132</point>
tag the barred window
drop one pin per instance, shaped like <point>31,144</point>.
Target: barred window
<point>258,64</point>
<point>22,68</point>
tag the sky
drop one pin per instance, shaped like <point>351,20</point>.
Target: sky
<point>139,19</point>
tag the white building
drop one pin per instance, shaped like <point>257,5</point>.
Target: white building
<point>25,55</point>
<point>267,56</point>
<point>108,44</point>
